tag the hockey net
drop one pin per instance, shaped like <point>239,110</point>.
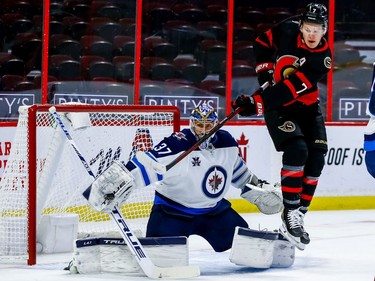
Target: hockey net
<point>44,176</point>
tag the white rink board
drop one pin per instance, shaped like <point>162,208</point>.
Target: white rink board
<point>345,171</point>
<point>344,174</point>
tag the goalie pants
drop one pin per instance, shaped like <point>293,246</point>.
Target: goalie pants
<point>216,227</point>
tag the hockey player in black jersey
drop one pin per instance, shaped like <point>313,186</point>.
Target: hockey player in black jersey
<point>293,57</point>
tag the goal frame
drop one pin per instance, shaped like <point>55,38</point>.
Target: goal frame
<point>32,157</point>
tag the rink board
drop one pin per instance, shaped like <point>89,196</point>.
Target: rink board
<point>344,183</point>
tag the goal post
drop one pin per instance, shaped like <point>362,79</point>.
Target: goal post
<point>44,177</point>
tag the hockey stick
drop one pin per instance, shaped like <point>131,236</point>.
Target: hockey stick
<point>135,247</point>
<point>161,169</point>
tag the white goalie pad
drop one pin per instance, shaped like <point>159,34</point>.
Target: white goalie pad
<point>283,253</point>
<point>111,255</point>
<point>261,249</point>
<point>268,198</point>
<point>253,248</point>
<point>112,187</point>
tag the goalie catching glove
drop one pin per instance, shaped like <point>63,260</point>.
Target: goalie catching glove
<point>268,198</point>
<point>110,188</point>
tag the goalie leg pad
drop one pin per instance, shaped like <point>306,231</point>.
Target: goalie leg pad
<point>112,187</point>
<point>110,255</point>
<point>253,248</point>
<point>268,198</point>
<point>283,253</point>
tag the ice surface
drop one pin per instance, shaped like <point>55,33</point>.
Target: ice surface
<point>342,248</point>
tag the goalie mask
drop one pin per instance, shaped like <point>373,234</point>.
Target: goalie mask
<point>202,119</point>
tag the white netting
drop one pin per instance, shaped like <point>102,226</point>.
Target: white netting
<point>61,177</point>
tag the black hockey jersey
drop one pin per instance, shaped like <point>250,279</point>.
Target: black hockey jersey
<point>297,68</point>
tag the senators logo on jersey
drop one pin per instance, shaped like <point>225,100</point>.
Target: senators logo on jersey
<point>287,65</point>
<point>328,62</point>
<point>288,127</point>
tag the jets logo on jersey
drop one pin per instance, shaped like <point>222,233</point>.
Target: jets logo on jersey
<point>287,65</point>
<point>214,181</point>
<point>288,127</point>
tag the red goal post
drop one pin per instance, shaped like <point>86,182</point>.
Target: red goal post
<point>43,176</point>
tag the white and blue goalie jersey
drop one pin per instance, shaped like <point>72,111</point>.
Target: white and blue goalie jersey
<point>198,182</point>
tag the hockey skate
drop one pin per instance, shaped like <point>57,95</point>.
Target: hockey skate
<point>292,228</point>
<point>305,239</point>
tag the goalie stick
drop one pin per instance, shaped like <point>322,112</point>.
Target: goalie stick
<point>135,247</point>
<point>162,169</point>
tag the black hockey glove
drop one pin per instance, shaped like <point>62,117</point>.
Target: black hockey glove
<point>265,76</point>
<point>265,73</point>
<point>252,105</point>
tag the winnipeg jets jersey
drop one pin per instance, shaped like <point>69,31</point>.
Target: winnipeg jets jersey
<point>198,182</point>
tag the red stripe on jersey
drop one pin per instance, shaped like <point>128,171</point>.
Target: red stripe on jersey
<point>309,98</point>
<point>270,36</point>
<point>291,88</point>
<point>304,79</point>
<point>291,189</point>
<point>261,42</point>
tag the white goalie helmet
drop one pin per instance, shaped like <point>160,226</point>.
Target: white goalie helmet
<point>202,119</point>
